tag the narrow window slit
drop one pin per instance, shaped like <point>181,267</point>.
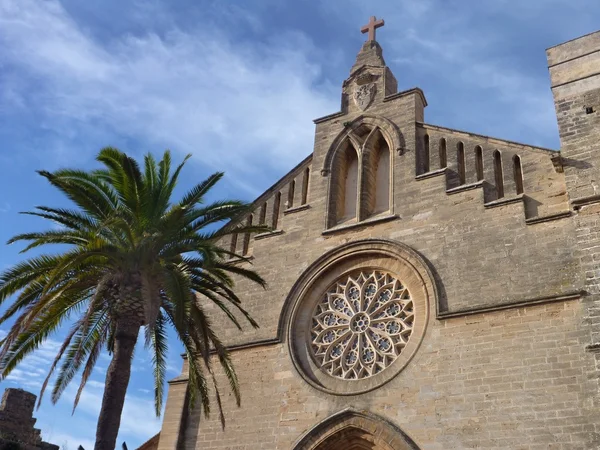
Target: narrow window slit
<point>442,151</point>
<point>233,245</point>
<point>246,246</point>
<point>305,179</point>
<point>518,173</point>
<point>276,204</point>
<point>426,153</point>
<point>290,199</point>
<point>499,178</point>
<point>460,157</point>
<point>262,218</point>
<point>479,162</point>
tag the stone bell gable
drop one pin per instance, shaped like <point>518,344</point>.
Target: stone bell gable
<point>428,287</point>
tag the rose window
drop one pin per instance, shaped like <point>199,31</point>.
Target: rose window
<point>361,325</point>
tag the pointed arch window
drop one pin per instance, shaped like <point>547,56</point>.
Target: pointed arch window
<point>233,244</point>
<point>375,191</point>
<point>291,189</point>
<point>442,154</point>
<point>350,188</point>
<point>305,179</point>
<point>276,205</point>
<point>262,218</point>
<point>246,246</point>
<point>498,176</point>
<point>479,162</point>
<point>343,198</point>
<point>518,174</point>
<point>382,177</point>
<point>360,169</point>
<point>426,153</point>
<point>460,161</point>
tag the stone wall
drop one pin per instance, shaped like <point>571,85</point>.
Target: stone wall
<point>575,77</point>
<point>507,359</point>
<point>507,379</point>
<point>17,422</point>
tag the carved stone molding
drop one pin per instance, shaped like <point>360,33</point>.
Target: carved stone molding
<point>413,289</point>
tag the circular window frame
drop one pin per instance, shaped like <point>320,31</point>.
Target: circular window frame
<point>375,254</point>
<point>348,327</point>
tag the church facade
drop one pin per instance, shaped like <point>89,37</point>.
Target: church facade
<point>429,288</point>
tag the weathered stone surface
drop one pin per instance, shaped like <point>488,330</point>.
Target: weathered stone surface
<point>17,422</point>
<point>511,236</point>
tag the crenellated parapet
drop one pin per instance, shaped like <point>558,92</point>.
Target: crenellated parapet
<point>505,171</point>
<point>288,195</point>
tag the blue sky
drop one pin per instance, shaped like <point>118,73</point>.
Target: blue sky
<point>237,83</point>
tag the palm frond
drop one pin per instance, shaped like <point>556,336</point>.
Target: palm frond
<point>129,242</point>
<point>196,194</point>
<point>157,336</point>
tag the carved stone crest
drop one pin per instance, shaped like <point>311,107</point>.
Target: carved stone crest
<point>363,95</point>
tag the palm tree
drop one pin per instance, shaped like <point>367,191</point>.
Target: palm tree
<point>130,258</point>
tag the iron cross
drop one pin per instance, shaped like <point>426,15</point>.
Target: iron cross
<point>371,27</point>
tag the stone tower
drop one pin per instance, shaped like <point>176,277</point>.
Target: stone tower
<point>17,422</point>
<point>575,79</point>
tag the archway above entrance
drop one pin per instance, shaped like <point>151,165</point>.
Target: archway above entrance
<point>355,430</point>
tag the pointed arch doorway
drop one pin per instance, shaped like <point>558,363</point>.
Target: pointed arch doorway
<point>355,430</point>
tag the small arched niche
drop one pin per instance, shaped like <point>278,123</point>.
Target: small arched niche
<point>344,185</point>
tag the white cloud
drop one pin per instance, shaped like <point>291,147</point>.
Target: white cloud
<point>450,47</point>
<point>138,420</point>
<point>32,370</point>
<point>191,91</point>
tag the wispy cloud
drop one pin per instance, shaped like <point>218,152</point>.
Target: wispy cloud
<point>194,91</point>
<point>33,369</point>
<point>138,419</point>
<point>439,45</point>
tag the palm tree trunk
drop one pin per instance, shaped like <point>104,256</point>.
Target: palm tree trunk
<point>117,380</point>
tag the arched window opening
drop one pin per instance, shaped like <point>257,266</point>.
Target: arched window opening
<point>275,218</point>
<point>479,162</point>
<point>246,246</point>
<point>499,178</point>
<point>233,244</point>
<point>305,179</point>
<point>382,177</point>
<point>291,189</point>
<point>442,151</point>
<point>426,153</point>
<point>343,184</point>
<point>262,218</point>
<point>460,161</point>
<point>518,174</point>
<point>350,187</point>
<point>375,183</point>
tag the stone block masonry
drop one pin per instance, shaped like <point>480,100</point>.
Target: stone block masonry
<point>17,422</point>
<point>499,249</point>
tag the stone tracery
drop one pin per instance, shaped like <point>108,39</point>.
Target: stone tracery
<point>361,325</point>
